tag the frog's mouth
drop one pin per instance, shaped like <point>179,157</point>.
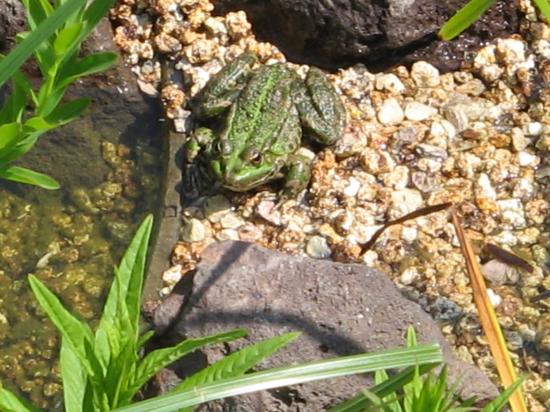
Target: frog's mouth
<point>245,177</point>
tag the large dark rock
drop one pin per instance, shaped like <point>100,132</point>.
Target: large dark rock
<point>12,21</point>
<point>379,33</point>
<point>340,309</point>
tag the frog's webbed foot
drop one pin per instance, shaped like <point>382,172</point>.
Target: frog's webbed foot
<point>298,173</point>
<point>322,112</point>
<point>223,88</point>
<point>196,178</point>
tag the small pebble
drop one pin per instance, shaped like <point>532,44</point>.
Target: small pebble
<point>173,275</point>
<point>193,231</point>
<point>231,221</point>
<point>425,75</point>
<point>216,207</point>
<point>390,112</point>
<point>419,112</point>
<point>499,273</point>
<point>318,248</point>
<point>494,298</point>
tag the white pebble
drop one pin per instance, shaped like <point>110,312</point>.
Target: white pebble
<point>425,75</point>
<point>193,231</point>
<point>318,248</point>
<point>389,82</point>
<point>352,188</point>
<point>390,112</point>
<point>409,275</point>
<point>404,201</point>
<point>231,221</point>
<point>527,159</point>
<point>172,276</point>
<point>494,298</point>
<point>419,112</point>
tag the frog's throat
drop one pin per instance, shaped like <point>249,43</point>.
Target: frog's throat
<point>247,177</point>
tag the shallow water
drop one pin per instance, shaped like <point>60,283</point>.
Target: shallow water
<point>109,166</point>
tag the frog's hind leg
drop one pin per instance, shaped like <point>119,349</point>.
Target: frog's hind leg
<point>322,112</point>
<point>298,173</point>
<point>223,88</point>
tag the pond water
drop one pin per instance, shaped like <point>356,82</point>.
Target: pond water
<point>109,166</point>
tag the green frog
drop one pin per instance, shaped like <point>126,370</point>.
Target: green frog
<point>258,117</point>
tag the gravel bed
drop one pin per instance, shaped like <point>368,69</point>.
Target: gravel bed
<point>478,137</point>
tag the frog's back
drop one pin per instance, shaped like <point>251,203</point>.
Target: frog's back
<point>262,110</point>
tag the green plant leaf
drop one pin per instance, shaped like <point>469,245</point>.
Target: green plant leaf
<point>73,377</point>
<point>129,274</point>
<point>10,134</point>
<point>292,375</point>
<point>48,100</point>
<point>544,7</point>
<point>90,64</point>
<point>67,40</point>
<point>22,175</point>
<point>411,337</point>
<point>25,49</point>
<point>143,339</point>
<point>93,14</point>
<point>464,18</point>
<point>237,363</point>
<point>67,112</point>
<point>389,387</point>
<point>501,400</point>
<point>19,147</point>
<point>37,11</point>
<point>158,359</point>
<point>13,108</point>
<point>76,333</point>
<point>9,402</point>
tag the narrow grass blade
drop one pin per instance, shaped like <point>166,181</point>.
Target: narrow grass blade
<point>464,18</point>
<point>22,175</point>
<point>488,318</point>
<point>501,400</point>
<point>292,375</point>
<point>386,388</point>
<point>12,62</point>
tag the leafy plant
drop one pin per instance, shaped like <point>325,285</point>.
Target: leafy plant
<point>472,11</point>
<point>103,371</point>
<point>56,34</point>
<point>429,392</point>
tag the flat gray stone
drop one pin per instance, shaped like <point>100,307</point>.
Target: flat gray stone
<point>340,309</point>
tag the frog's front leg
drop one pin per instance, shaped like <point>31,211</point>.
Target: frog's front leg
<point>200,141</point>
<point>322,112</point>
<point>195,176</point>
<point>223,88</point>
<point>298,173</point>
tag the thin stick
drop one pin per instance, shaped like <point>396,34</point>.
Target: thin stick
<point>488,319</point>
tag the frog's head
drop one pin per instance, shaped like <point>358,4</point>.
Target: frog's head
<point>247,169</point>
